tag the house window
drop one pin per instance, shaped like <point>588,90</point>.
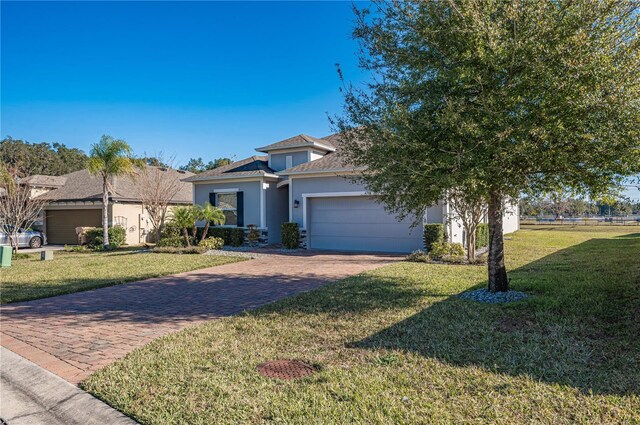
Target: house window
<point>228,203</point>
<point>289,161</point>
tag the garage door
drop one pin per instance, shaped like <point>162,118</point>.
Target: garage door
<point>358,223</point>
<point>61,224</point>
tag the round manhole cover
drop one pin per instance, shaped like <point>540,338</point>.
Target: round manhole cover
<point>285,369</point>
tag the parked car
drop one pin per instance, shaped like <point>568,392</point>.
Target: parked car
<point>27,238</point>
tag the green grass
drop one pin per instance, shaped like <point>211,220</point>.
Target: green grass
<point>396,346</point>
<point>30,278</point>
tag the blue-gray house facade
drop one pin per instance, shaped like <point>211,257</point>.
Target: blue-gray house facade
<point>304,180</point>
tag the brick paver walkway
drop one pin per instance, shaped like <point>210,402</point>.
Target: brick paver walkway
<point>74,335</point>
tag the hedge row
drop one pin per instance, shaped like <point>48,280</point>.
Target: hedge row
<point>233,236</point>
<point>482,235</point>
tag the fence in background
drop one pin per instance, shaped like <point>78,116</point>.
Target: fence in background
<point>586,221</point>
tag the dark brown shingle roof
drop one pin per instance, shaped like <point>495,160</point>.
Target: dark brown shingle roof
<point>42,180</point>
<point>301,140</point>
<point>248,167</point>
<point>83,186</point>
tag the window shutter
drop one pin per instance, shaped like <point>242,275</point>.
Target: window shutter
<point>212,199</point>
<point>240,208</point>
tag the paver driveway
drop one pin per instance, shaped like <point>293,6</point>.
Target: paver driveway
<point>74,335</point>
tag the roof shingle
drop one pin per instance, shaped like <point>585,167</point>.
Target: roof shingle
<point>248,167</point>
<point>301,140</point>
<point>84,186</point>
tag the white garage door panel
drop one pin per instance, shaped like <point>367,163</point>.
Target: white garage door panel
<point>359,224</point>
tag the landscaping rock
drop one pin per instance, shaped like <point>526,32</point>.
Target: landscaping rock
<point>485,296</point>
<point>234,253</point>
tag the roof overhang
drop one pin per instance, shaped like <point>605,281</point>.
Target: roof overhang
<point>260,175</point>
<point>314,145</point>
<point>346,170</point>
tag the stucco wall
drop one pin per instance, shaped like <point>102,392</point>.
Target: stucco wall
<point>279,160</point>
<point>277,211</point>
<point>251,191</point>
<point>511,218</point>
<point>137,225</point>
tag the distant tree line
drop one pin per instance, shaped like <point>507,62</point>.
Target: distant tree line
<point>563,205</point>
<point>56,159</point>
<point>197,165</point>
<point>40,158</point>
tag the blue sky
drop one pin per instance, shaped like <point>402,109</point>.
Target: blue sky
<point>189,79</point>
<point>192,79</point>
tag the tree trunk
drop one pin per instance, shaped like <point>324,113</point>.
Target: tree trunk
<point>185,233</point>
<point>471,245</point>
<point>498,281</point>
<point>13,240</point>
<point>205,231</point>
<point>105,213</point>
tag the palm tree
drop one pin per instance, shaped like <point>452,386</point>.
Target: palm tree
<point>210,215</point>
<point>109,158</point>
<point>184,218</point>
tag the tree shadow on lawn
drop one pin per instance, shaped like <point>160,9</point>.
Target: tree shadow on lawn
<point>579,329</point>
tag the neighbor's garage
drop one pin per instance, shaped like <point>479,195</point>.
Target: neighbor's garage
<point>358,223</point>
<point>61,224</point>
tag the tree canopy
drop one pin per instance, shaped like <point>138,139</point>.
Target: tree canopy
<point>506,97</point>
<point>197,165</point>
<point>41,158</point>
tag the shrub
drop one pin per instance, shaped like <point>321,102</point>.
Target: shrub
<point>417,257</point>
<point>433,233</point>
<point>253,236</point>
<point>212,243</point>
<point>233,236</point>
<point>482,235</point>
<point>117,236</point>
<point>174,241</point>
<point>170,229</point>
<point>290,235</point>
<point>447,251</point>
<point>179,250</point>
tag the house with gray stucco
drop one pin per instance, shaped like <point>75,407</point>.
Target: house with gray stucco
<point>304,179</point>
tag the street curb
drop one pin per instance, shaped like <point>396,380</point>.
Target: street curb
<point>56,397</point>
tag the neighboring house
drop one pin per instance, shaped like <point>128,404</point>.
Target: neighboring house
<point>78,203</point>
<point>304,179</point>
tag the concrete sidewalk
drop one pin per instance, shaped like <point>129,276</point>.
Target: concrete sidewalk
<point>31,395</point>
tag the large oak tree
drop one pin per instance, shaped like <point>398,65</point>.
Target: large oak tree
<point>503,96</point>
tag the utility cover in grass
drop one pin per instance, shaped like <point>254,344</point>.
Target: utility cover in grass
<point>486,296</point>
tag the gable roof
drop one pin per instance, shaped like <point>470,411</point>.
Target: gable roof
<point>299,141</point>
<point>331,162</point>
<point>257,166</point>
<point>84,186</point>
<point>43,180</point>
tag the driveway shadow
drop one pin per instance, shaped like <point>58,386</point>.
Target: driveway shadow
<point>579,329</point>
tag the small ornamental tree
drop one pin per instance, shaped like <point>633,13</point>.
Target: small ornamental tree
<point>157,186</point>
<point>210,215</point>
<point>509,96</point>
<point>18,209</point>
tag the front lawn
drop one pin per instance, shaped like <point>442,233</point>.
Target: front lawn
<point>28,279</point>
<point>396,346</point>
